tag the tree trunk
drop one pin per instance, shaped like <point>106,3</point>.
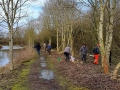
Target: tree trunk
<point>109,33</point>
<point>57,41</point>
<point>11,39</point>
<point>11,48</point>
<point>50,40</point>
<point>63,37</point>
<point>116,71</point>
<point>71,39</point>
<point>101,41</point>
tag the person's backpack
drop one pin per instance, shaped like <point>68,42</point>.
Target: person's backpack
<point>96,50</point>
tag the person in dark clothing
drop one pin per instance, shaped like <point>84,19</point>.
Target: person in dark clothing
<point>67,52</point>
<point>38,47</point>
<point>96,52</point>
<point>83,52</point>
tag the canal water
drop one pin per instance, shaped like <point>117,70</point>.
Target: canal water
<point>4,54</point>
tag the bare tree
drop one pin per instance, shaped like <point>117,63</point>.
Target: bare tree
<point>60,17</point>
<point>116,71</point>
<point>12,13</point>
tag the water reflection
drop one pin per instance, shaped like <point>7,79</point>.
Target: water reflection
<point>43,64</point>
<point>4,55</point>
<point>42,58</point>
<point>42,61</point>
<point>4,58</point>
<point>7,47</point>
<point>47,74</point>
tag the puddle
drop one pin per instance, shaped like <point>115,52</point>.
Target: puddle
<point>42,58</point>
<point>43,64</point>
<point>47,74</point>
<point>42,61</point>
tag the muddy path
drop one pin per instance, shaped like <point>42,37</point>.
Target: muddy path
<point>41,77</point>
<point>44,75</point>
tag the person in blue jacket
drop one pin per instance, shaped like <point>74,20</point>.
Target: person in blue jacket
<point>49,48</point>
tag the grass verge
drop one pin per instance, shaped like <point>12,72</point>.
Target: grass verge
<point>22,79</point>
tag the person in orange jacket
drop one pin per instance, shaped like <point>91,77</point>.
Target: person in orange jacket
<point>96,52</point>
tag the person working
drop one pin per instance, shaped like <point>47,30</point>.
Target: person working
<point>96,52</point>
<point>67,53</point>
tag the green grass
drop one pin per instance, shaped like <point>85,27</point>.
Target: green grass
<point>22,81</point>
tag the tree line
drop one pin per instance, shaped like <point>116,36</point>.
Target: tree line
<point>88,22</point>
